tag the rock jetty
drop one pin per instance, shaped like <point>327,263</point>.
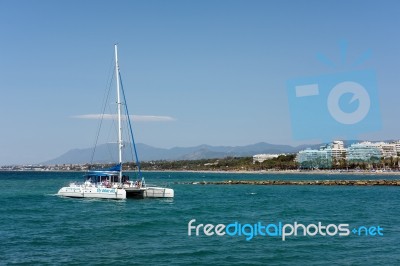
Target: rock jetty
<point>303,182</point>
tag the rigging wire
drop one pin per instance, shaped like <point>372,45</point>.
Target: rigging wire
<point>130,127</point>
<point>104,105</point>
<point>127,136</point>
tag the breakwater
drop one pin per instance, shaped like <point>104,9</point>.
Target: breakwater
<point>381,182</point>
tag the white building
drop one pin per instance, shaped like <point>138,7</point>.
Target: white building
<point>358,152</point>
<point>387,149</point>
<point>364,151</point>
<point>397,144</point>
<point>309,158</point>
<point>262,157</point>
<point>336,150</point>
<point>322,158</point>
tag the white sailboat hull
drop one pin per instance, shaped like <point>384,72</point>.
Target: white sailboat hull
<point>149,192</point>
<point>92,192</point>
<point>158,192</point>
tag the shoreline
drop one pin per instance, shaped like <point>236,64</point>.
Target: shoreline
<point>291,172</point>
<point>262,172</point>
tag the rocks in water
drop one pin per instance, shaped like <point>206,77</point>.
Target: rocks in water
<point>381,182</point>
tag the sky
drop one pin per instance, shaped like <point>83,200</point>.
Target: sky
<point>216,70</point>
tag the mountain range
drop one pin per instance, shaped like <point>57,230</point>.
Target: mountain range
<point>105,153</point>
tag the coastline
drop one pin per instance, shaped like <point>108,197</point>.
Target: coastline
<point>263,172</point>
<point>282,172</point>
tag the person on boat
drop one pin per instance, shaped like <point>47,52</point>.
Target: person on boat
<point>125,180</point>
<point>106,183</point>
<point>88,182</point>
<point>138,184</point>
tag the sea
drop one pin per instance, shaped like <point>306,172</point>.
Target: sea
<point>202,225</point>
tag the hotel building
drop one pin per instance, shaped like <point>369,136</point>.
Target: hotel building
<point>358,152</point>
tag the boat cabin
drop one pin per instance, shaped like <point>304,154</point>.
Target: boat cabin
<point>105,177</point>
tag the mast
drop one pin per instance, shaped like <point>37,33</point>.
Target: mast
<point>120,144</point>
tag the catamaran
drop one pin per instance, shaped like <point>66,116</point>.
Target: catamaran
<point>112,183</point>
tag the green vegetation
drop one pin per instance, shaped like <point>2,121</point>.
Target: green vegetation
<point>283,162</point>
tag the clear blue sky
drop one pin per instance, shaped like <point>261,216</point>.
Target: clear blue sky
<point>219,68</point>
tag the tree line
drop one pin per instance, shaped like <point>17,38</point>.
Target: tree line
<point>283,162</point>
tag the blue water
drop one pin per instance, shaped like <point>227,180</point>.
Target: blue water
<point>38,227</point>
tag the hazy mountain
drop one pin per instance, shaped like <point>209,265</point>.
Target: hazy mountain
<point>108,152</point>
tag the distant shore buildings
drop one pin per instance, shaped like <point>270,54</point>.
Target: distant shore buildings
<point>336,154</point>
<point>263,157</point>
<point>364,155</point>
